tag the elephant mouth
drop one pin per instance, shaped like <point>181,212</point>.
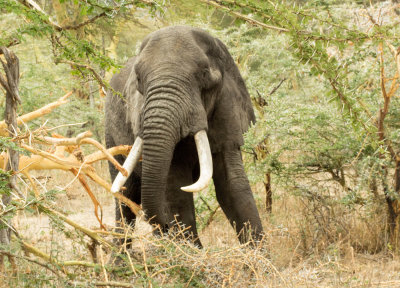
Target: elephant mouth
<point>205,161</point>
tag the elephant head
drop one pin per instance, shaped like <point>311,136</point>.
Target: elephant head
<point>183,83</point>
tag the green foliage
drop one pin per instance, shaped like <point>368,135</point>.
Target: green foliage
<point>75,42</point>
<point>5,182</point>
<point>6,143</point>
<point>5,190</point>
<point>206,206</point>
<point>327,57</point>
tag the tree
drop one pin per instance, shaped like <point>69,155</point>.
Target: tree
<point>334,48</point>
<point>11,68</point>
<point>73,38</point>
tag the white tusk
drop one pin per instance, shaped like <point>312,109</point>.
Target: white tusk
<point>129,165</point>
<point>205,160</point>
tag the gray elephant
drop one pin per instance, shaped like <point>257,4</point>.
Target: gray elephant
<point>185,107</point>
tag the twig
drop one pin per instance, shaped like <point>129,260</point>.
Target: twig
<point>99,155</point>
<point>146,269</point>
<point>247,19</point>
<point>66,141</point>
<point>211,218</point>
<point>102,263</point>
<point>96,203</point>
<point>80,25</point>
<point>87,67</point>
<point>32,4</point>
<point>135,208</point>
<point>37,252</point>
<point>85,230</point>
<point>31,260</point>
<point>64,164</point>
<point>107,155</point>
<point>102,283</point>
<point>165,269</point>
<point>277,86</point>
<point>127,252</point>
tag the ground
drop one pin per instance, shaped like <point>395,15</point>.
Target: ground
<point>284,264</point>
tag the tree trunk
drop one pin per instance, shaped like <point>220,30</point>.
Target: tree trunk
<point>394,210</point>
<point>262,151</point>
<point>268,192</point>
<point>11,68</point>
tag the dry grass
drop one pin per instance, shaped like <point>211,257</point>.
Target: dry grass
<point>310,243</point>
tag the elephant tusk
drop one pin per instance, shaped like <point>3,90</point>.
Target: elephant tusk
<point>205,160</point>
<point>129,165</point>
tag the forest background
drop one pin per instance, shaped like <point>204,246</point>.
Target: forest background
<point>323,158</point>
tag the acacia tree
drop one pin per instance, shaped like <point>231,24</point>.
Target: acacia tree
<point>334,46</point>
<point>74,39</point>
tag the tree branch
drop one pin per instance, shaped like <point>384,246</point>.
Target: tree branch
<point>80,25</point>
<point>243,17</point>
<point>33,5</point>
<point>87,67</point>
<point>84,230</point>
<point>31,260</point>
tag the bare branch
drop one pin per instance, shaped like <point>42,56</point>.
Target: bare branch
<point>37,252</point>
<point>84,230</point>
<point>99,155</point>
<point>83,139</point>
<point>277,86</point>
<point>45,265</point>
<point>96,203</point>
<point>107,155</point>
<point>66,141</point>
<point>35,114</point>
<point>80,25</point>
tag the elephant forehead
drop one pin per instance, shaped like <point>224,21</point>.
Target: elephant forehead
<point>173,44</point>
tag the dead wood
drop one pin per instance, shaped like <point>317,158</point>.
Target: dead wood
<point>11,69</point>
<point>36,114</point>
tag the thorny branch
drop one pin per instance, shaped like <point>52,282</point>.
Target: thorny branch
<point>225,5</point>
<point>87,67</point>
<point>31,4</point>
<point>246,18</point>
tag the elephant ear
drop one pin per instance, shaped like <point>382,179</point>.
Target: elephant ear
<point>233,112</point>
<point>134,102</point>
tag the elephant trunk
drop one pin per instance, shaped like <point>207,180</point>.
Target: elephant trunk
<point>157,155</point>
<point>161,132</point>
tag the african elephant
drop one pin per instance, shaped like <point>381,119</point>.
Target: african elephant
<point>182,93</point>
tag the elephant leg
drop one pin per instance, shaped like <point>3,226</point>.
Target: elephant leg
<point>235,196</point>
<point>180,203</point>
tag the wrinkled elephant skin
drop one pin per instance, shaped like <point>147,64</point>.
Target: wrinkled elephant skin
<point>183,81</point>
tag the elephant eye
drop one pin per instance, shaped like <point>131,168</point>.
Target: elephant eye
<point>139,84</point>
<point>206,71</point>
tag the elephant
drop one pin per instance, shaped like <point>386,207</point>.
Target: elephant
<point>184,106</point>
